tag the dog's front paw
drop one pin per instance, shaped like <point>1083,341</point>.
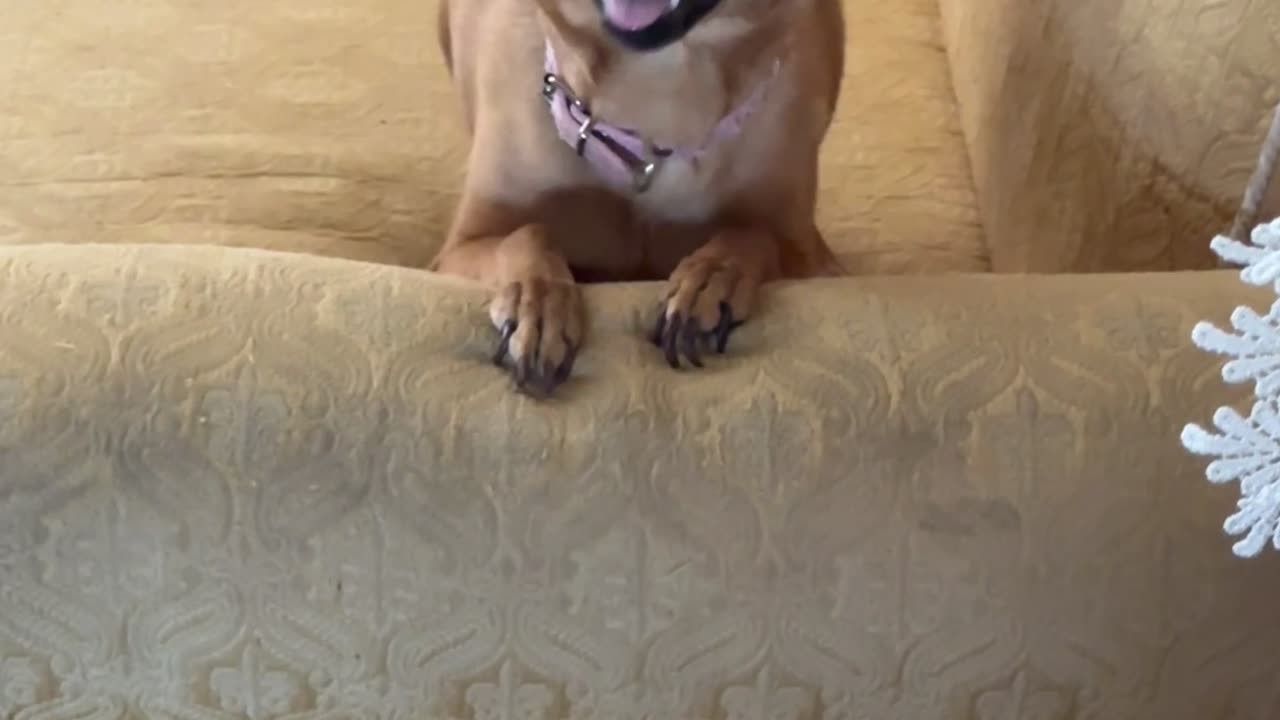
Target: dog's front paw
<point>540,325</point>
<point>707,299</point>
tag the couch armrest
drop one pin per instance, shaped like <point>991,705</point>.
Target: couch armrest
<point>1120,134</point>
<point>234,479</point>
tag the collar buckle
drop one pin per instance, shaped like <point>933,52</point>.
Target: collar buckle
<point>641,169</point>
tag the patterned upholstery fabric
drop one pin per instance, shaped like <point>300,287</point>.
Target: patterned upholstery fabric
<point>237,483</point>
<point>240,484</point>
<point>331,127</point>
<point>1119,134</point>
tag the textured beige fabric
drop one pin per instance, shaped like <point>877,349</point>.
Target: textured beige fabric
<point>319,126</point>
<point>330,126</point>
<point>897,499</point>
<point>243,484</point>
<point>1116,133</point>
<point>897,192</point>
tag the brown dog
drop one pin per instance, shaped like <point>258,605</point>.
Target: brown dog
<point>631,140</point>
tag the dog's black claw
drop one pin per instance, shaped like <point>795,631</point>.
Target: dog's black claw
<point>522,373</point>
<point>724,327</point>
<point>546,380</point>
<point>504,342</point>
<point>679,336</point>
<point>660,327</point>
<point>689,343</point>
<point>670,339</point>
<point>561,373</point>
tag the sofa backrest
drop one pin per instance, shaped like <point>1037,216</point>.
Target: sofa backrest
<point>331,126</point>
<point>1112,134</point>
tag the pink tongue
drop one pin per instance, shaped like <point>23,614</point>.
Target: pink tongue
<point>634,14</point>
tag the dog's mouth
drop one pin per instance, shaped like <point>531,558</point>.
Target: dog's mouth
<point>652,24</point>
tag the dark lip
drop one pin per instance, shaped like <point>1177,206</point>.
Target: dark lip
<point>670,28</point>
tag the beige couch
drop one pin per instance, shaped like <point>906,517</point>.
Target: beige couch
<point>237,482</point>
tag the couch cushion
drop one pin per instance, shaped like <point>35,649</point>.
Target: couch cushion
<point>330,126</point>
<point>894,499</point>
<point>1112,135</point>
<point>897,194</point>
<point>315,125</point>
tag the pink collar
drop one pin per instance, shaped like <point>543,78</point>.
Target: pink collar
<point>623,157</point>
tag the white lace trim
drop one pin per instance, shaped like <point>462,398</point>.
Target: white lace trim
<point>1247,449</point>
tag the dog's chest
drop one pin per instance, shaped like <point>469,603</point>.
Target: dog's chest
<point>681,192</point>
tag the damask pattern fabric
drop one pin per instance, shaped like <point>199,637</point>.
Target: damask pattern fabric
<point>331,127</point>
<point>322,126</point>
<point>249,485</point>
<point>1119,134</point>
<point>240,484</point>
